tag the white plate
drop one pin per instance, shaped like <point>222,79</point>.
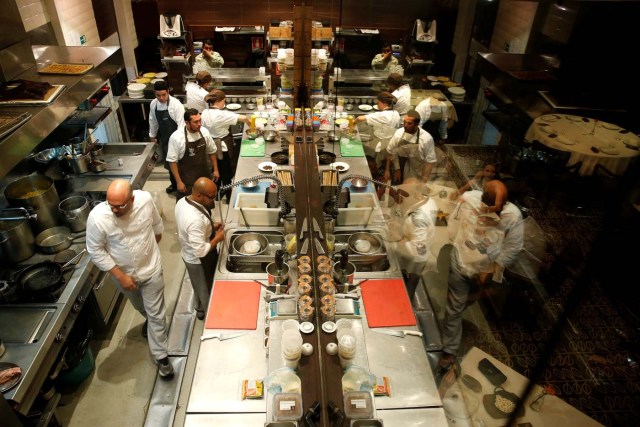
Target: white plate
<point>610,126</point>
<point>306,327</point>
<point>136,87</point>
<point>574,118</point>
<point>375,107</point>
<point>233,106</point>
<point>610,150</point>
<point>335,166</point>
<point>550,117</point>
<point>267,167</point>
<point>329,327</point>
<point>365,107</point>
<point>457,91</point>
<point>161,75</point>
<point>432,78</point>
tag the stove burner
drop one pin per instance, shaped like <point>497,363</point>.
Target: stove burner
<point>10,292</point>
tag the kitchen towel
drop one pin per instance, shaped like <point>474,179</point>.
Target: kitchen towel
<point>233,305</point>
<point>249,148</point>
<point>352,149</point>
<point>387,304</point>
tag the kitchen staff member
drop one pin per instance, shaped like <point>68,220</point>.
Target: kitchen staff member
<point>401,91</point>
<point>166,114</point>
<point>188,151</point>
<point>412,147</point>
<point>122,238</point>
<point>384,122</point>
<point>216,119</point>
<point>199,236</point>
<point>384,61</point>
<point>197,90</point>
<point>208,59</point>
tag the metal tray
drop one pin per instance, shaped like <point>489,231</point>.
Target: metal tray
<point>72,69</point>
<point>10,121</point>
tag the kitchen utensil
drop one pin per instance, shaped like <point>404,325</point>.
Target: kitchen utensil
<point>222,337</point>
<point>339,166</point>
<point>267,167</point>
<point>303,229</point>
<point>74,211</point>
<point>252,135</point>
<point>39,193</point>
<point>280,158</point>
<point>233,106</point>
<point>316,228</point>
<point>326,158</point>
<point>329,327</point>
<point>234,305</point>
<point>270,135</point>
<point>43,277</point>
<point>359,184</point>
<point>97,165</point>
<point>259,239</point>
<point>306,327</point>
<point>11,375</point>
<point>17,242</point>
<point>250,185</point>
<point>398,333</point>
<point>55,239</point>
<point>364,243</point>
<point>319,248</point>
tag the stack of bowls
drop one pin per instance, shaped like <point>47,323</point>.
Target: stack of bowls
<point>456,94</point>
<point>136,90</point>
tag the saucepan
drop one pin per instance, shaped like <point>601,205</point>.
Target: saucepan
<point>326,158</point>
<point>280,158</point>
<point>55,239</point>
<point>43,277</point>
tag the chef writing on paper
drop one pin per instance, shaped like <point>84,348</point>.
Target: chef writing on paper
<point>412,151</point>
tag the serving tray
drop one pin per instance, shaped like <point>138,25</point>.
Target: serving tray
<point>67,69</point>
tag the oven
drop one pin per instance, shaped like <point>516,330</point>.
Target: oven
<point>104,298</point>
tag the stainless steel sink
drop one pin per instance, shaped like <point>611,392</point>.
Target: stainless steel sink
<point>377,262</point>
<point>237,263</point>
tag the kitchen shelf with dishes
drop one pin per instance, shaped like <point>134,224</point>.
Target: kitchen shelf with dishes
<point>176,49</point>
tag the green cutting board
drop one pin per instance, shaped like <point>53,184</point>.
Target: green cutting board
<point>354,149</point>
<point>248,148</point>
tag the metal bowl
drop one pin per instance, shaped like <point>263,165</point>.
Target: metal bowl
<point>326,158</point>
<point>270,135</point>
<point>280,158</point>
<point>251,106</point>
<point>333,136</point>
<point>250,185</point>
<point>364,243</point>
<point>359,184</point>
<point>45,156</point>
<point>240,241</point>
<point>253,135</point>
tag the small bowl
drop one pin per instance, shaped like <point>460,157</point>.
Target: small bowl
<point>270,135</point>
<point>252,135</point>
<point>238,243</point>
<point>251,106</point>
<point>250,185</point>
<point>359,184</point>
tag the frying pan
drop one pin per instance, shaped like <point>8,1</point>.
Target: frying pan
<point>55,239</point>
<point>44,276</point>
<point>280,158</point>
<point>326,158</point>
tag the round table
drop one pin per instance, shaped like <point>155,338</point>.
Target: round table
<point>590,141</point>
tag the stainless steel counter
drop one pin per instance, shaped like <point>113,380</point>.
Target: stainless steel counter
<point>107,62</point>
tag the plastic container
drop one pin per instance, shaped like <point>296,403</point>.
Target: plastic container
<point>343,327</point>
<point>291,347</point>
<point>346,350</point>
<point>358,404</point>
<point>287,406</point>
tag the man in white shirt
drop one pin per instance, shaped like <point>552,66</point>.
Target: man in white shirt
<point>199,237</point>
<point>166,114</point>
<point>384,122</point>
<point>415,148</point>
<point>122,238</point>
<point>208,60</point>
<point>433,105</point>
<point>190,151</point>
<point>197,90</point>
<point>402,92</point>
<point>484,244</point>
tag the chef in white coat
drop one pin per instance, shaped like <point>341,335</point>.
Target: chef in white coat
<point>384,122</point>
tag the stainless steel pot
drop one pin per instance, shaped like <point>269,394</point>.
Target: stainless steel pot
<point>344,276</point>
<point>74,212</point>
<point>277,276</point>
<point>38,193</point>
<point>79,163</point>
<point>239,242</point>
<point>16,240</point>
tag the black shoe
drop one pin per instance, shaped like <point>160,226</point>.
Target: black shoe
<point>165,370</point>
<point>170,189</point>
<point>200,314</point>
<point>145,333</point>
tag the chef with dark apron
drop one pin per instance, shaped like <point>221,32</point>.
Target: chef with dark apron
<point>188,151</point>
<point>412,151</point>
<point>166,115</point>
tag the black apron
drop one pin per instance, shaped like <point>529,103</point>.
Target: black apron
<point>193,164</point>
<point>210,260</point>
<point>166,126</point>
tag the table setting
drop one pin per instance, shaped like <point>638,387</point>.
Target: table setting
<point>590,141</point>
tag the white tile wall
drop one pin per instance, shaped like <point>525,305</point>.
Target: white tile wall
<point>76,19</point>
<point>33,13</point>
<point>513,26</point>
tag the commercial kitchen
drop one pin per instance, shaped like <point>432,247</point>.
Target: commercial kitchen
<point>314,317</point>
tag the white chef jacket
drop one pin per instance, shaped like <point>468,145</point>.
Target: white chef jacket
<point>403,94</point>
<point>177,143</point>
<point>194,229</point>
<point>501,243</point>
<point>426,148</point>
<point>217,122</point>
<point>195,96</point>
<point>128,242</point>
<point>418,229</point>
<point>176,112</point>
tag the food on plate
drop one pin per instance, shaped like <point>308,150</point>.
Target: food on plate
<point>504,405</point>
<point>10,374</point>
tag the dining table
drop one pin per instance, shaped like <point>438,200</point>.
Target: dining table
<point>590,141</point>
<point>470,400</point>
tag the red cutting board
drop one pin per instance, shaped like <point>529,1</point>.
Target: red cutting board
<point>233,305</point>
<point>387,304</point>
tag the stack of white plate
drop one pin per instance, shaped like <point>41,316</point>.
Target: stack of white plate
<point>136,90</point>
<point>456,93</point>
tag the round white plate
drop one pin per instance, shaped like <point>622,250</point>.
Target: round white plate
<point>457,90</point>
<point>432,78</point>
<point>375,107</point>
<point>306,327</point>
<point>550,118</point>
<point>339,166</point>
<point>365,107</point>
<point>329,327</point>
<point>610,126</point>
<point>267,167</point>
<point>574,118</point>
<point>609,150</point>
<point>136,87</point>
<point>233,106</point>
<point>161,75</point>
